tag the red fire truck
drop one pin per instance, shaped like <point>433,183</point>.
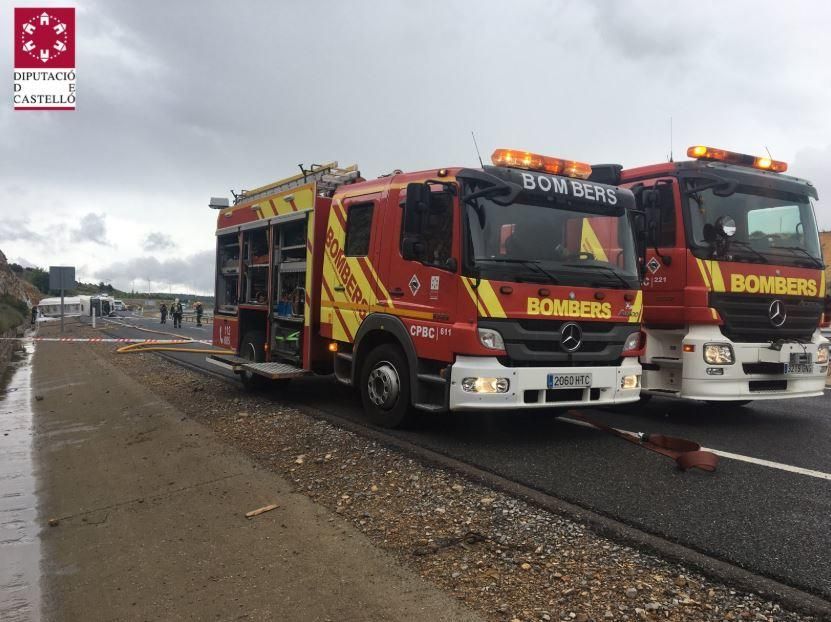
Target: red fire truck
<point>508,286</point>
<point>734,285</point>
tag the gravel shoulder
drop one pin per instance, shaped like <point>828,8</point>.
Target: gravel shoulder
<point>500,556</point>
<point>143,517</point>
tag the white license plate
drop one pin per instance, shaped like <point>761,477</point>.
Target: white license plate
<point>569,381</point>
<point>800,368</point>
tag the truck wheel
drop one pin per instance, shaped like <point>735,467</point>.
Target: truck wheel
<point>253,349</point>
<point>385,387</point>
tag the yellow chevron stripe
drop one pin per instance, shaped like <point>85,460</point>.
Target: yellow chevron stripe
<point>490,299</point>
<point>338,327</point>
<point>384,292</point>
<point>356,306</point>
<point>714,313</point>
<point>703,273</point>
<point>715,274</point>
<point>637,308</point>
<point>477,302</point>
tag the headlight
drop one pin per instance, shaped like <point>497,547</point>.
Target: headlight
<point>633,342</point>
<point>718,354</point>
<point>486,385</point>
<point>630,382</point>
<point>822,354</point>
<point>491,339</point>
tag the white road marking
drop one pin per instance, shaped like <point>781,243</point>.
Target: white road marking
<point>726,454</point>
<point>771,464</point>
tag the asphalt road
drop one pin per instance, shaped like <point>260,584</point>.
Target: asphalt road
<point>765,519</point>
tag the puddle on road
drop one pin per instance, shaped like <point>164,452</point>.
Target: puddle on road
<point>19,529</point>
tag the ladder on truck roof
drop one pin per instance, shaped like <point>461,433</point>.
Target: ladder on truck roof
<point>328,177</point>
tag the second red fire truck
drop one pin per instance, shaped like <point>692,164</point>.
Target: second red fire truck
<point>503,287</point>
<point>734,285</point>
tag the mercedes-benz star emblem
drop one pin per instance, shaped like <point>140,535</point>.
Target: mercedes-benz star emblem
<point>777,313</point>
<point>571,336</point>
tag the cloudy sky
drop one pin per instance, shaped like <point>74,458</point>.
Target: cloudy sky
<point>180,101</point>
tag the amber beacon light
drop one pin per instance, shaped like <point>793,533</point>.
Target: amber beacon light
<point>535,162</point>
<point>700,152</point>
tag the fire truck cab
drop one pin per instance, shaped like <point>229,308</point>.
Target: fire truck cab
<point>511,286</point>
<point>734,285</point>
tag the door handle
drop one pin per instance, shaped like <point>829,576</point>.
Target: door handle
<point>397,292</point>
<point>339,288</point>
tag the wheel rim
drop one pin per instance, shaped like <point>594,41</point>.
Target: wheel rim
<point>383,385</point>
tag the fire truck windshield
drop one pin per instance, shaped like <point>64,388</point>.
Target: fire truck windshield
<point>544,244</point>
<point>764,225</point>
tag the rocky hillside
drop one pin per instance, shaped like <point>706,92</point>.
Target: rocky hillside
<point>16,287</point>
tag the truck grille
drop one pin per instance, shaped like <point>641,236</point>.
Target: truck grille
<point>746,317</point>
<point>531,343</point>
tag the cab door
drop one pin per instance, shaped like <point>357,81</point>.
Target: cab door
<point>665,269</point>
<point>350,285</point>
<point>422,290</point>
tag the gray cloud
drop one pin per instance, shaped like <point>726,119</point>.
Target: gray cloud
<point>158,241</point>
<point>813,164</point>
<point>169,113</point>
<point>195,272</point>
<point>22,261</point>
<point>18,230</point>
<point>92,228</point>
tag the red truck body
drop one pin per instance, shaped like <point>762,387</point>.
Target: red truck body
<point>734,286</point>
<point>322,277</point>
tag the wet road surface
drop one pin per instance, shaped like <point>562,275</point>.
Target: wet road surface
<point>19,540</point>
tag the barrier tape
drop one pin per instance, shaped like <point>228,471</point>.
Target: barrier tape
<point>103,340</point>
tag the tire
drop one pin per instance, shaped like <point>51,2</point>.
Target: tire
<point>645,398</point>
<point>385,387</point>
<point>253,349</point>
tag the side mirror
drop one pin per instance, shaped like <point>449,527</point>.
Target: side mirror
<point>451,264</point>
<point>641,236</point>
<point>412,248</point>
<point>650,200</point>
<point>417,204</point>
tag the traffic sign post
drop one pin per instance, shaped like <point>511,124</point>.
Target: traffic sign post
<point>61,278</point>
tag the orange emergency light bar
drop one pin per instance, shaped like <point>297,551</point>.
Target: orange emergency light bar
<point>535,162</point>
<point>701,152</point>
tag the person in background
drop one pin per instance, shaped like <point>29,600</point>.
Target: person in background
<point>177,311</point>
<point>163,312</point>
<point>198,306</point>
<point>34,314</point>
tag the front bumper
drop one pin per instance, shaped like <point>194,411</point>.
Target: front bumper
<point>529,385</point>
<point>746,379</point>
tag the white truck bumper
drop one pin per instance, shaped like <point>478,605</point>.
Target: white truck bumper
<point>529,385</point>
<point>754,375</point>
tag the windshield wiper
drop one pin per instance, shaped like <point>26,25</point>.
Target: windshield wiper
<point>530,263</point>
<point>747,245</point>
<point>611,271</point>
<point>813,259</point>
